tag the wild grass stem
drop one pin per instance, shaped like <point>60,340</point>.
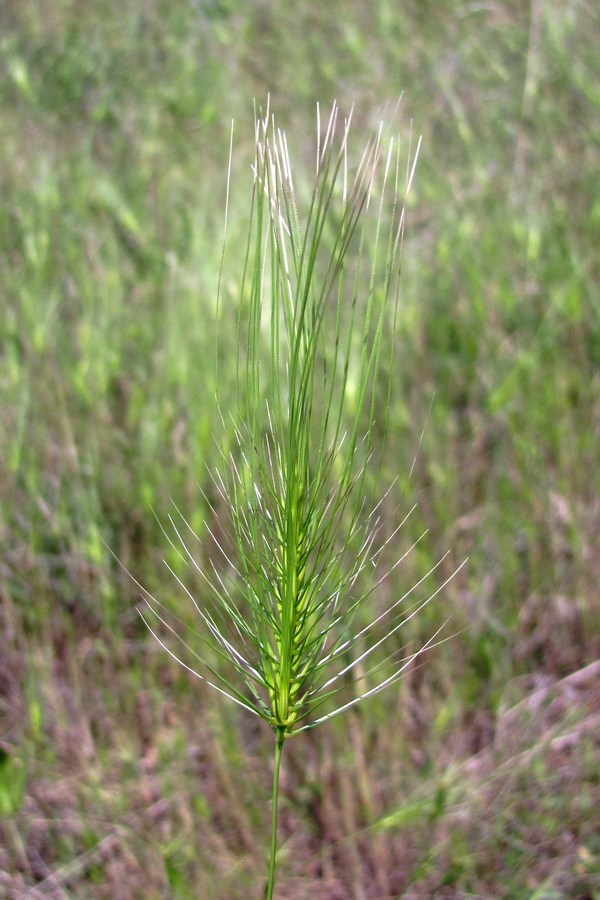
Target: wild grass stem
<point>279,741</point>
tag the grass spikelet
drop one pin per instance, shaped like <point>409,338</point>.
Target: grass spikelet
<point>283,629</point>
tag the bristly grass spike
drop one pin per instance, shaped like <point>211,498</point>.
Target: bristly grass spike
<point>290,609</point>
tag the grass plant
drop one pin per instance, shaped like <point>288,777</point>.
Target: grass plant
<point>305,546</point>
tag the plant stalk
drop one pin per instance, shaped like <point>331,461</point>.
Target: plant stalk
<point>275,798</point>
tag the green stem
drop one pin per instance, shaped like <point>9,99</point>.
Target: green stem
<point>276,765</point>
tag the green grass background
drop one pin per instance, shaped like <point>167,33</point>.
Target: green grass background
<point>119,775</point>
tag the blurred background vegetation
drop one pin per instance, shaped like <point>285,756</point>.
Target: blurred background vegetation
<point>122,777</point>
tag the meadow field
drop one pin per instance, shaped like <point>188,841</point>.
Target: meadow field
<point>478,773</point>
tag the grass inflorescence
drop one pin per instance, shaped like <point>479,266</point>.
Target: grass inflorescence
<point>301,551</point>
